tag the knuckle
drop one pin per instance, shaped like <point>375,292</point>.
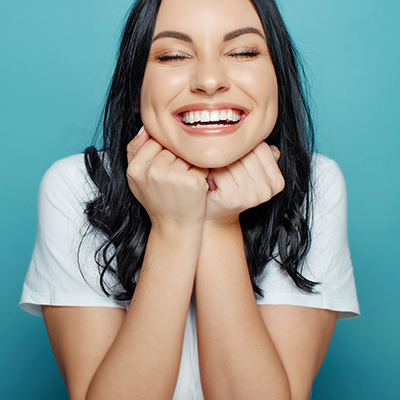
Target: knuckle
<point>153,173</point>
<point>283,183</point>
<point>132,170</point>
<point>267,193</point>
<point>195,184</point>
<point>280,184</point>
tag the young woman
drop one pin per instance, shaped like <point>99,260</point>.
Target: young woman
<point>203,252</point>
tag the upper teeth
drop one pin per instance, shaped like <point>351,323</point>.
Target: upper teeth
<point>213,116</point>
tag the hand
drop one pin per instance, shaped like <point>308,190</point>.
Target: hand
<point>246,183</point>
<point>170,189</point>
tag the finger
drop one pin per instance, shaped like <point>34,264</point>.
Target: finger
<point>219,179</point>
<point>253,167</point>
<point>239,173</point>
<point>137,142</point>
<point>255,183</point>
<point>275,152</point>
<point>204,172</point>
<point>267,157</point>
<point>165,157</point>
<point>147,152</point>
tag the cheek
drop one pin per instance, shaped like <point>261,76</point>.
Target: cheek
<point>148,94</point>
<point>266,96</point>
<point>155,108</point>
<point>260,84</point>
<point>151,102</point>
<point>159,89</point>
<point>266,93</point>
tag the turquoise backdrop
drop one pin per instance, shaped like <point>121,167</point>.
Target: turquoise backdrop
<point>56,59</point>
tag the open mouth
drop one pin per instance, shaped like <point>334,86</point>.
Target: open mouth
<point>211,119</point>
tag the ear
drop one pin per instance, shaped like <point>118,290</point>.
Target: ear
<point>137,105</point>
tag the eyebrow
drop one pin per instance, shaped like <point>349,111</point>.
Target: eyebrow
<point>174,35</point>
<point>242,31</point>
<point>229,36</point>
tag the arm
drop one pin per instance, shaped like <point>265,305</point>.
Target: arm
<point>301,336</point>
<point>105,353</point>
<point>250,351</point>
<point>245,350</point>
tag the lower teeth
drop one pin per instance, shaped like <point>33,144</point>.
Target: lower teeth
<point>208,126</point>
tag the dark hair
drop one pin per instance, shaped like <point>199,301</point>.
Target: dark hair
<point>278,229</point>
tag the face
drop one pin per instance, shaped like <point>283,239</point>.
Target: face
<point>209,92</point>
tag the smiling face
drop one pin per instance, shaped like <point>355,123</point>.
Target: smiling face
<point>209,92</point>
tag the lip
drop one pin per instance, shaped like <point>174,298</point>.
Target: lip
<point>210,107</point>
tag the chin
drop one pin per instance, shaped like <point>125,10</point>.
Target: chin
<point>210,163</point>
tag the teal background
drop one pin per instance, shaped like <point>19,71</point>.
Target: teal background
<point>56,60</point>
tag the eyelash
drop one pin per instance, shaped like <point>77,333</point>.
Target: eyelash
<point>180,57</point>
<point>171,57</point>
<point>245,54</point>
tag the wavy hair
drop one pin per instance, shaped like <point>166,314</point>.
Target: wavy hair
<point>276,230</point>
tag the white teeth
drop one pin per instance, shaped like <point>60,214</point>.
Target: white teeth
<point>205,116</point>
<point>213,116</point>
<point>209,126</point>
<point>236,117</point>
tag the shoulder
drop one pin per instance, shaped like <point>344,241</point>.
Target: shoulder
<point>67,180</point>
<point>328,260</point>
<point>325,170</point>
<point>70,169</point>
<point>63,270</point>
<point>329,187</point>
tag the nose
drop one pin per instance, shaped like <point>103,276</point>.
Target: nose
<point>210,77</point>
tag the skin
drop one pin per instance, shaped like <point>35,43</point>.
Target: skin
<point>209,70</point>
<point>246,351</point>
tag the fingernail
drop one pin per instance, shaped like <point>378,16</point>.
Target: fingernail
<point>140,131</point>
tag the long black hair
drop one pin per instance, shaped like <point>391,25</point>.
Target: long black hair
<point>278,229</point>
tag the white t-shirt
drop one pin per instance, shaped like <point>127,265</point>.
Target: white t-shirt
<point>54,277</point>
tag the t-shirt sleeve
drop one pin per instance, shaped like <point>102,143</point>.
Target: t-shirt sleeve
<point>328,261</point>
<point>63,271</point>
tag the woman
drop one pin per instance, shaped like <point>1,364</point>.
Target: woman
<point>191,209</point>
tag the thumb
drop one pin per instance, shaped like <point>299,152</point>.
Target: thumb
<point>136,143</point>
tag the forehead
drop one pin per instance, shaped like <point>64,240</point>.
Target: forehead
<point>206,17</point>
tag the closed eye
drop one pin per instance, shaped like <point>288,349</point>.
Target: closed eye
<point>171,57</point>
<point>245,54</point>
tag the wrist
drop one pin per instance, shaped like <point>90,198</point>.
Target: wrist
<point>221,226</point>
<point>170,229</point>
<point>219,243</point>
<point>226,221</point>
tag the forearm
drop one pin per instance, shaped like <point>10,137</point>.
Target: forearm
<point>238,360</point>
<point>144,360</point>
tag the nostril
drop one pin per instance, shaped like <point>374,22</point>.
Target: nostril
<point>210,80</point>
